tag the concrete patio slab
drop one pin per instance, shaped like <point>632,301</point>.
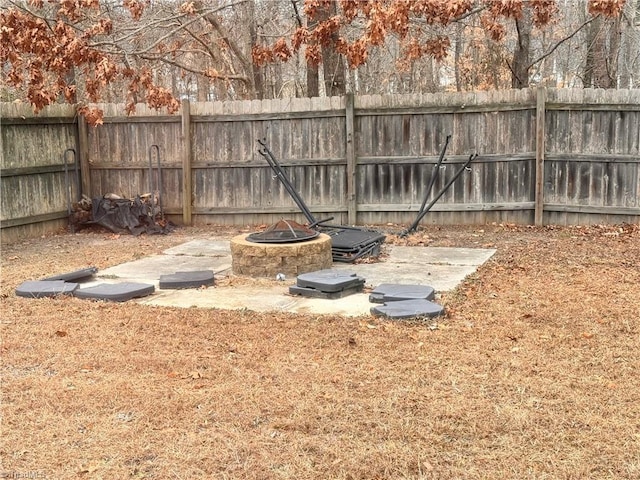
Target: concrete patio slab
<point>261,299</point>
<point>150,268</point>
<point>438,267</point>
<point>441,277</point>
<point>441,255</point>
<point>201,248</point>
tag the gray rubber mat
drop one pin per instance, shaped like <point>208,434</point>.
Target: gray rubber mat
<point>74,276</point>
<point>405,309</point>
<point>313,293</point>
<point>115,292</point>
<point>393,292</point>
<point>45,288</point>
<point>329,280</point>
<point>178,280</point>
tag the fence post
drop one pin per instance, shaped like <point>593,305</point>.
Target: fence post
<point>352,202</point>
<point>83,157</point>
<point>186,163</point>
<point>540,146</point>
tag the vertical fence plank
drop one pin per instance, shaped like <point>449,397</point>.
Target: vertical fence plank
<point>83,154</point>
<point>352,168</point>
<point>186,163</point>
<point>540,138</point>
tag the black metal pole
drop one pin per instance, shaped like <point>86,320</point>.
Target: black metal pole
<point>436,171</point>
<point>281,175</point>
<point>437,197</point>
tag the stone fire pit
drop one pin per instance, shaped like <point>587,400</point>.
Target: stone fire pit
<point>269,259</point>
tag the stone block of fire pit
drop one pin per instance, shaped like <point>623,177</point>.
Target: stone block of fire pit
<point>269,259</point>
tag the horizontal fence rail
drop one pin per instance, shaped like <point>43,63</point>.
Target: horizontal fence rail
<point>544,156</point>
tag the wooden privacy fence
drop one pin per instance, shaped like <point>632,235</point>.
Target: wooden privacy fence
<point>545,156</point>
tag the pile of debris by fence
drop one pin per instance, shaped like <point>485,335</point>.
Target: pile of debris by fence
<point>141,214</point>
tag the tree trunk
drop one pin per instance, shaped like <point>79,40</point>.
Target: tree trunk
<point>522,53</point>
<point>70,79</point>
<point>313,82</point>
<point>313,73</point>
<point>202,84</point>
<point>332,62</point>
<point>430,83</point>
<point>615,36</point>
<point>277,81</point>
<point>458,54</point>
<point>587,76</point>
<point>629,46</point>
<point>603,45</point>
<point>256,73</point>
<point>234,47</point>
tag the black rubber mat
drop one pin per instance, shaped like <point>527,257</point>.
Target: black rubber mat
<point>329,280</point>
<point>313,293</point>
<point>115,292</point>
<point>350,244</point>
<point>354,239</point>
<point>405,309</point>
<point>75,276</point>
<point>195,279</point>
<point>45,288</point>
<point>393,292</point>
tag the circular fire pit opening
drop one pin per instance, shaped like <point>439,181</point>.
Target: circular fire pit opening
<point>269,259</point>
<point>284,231</point>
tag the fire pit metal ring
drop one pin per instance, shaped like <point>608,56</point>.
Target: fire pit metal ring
<point>284,231</point>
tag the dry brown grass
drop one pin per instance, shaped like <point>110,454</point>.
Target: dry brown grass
<point>534,373</point>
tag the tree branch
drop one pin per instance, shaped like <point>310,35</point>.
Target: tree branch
<point>474,11</point>
<point>232,45</point>
<point>241,78</point>
<point>555,47</point>
<point>171,33</point>
<point>197,39</point>
<point>180,26</point>
<point>469,13</point>
<point>294,4</point>
<point>133,32</point>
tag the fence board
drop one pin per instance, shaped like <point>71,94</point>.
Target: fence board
<point>34,187</point>
<point>591,157</point>
<point>596,159</point>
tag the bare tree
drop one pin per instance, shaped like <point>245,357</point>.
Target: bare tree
<point>333,63</point>
<point>629,60</point>
<point>156,52</point>
<point>521,64</point>
<point>603,44</point>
